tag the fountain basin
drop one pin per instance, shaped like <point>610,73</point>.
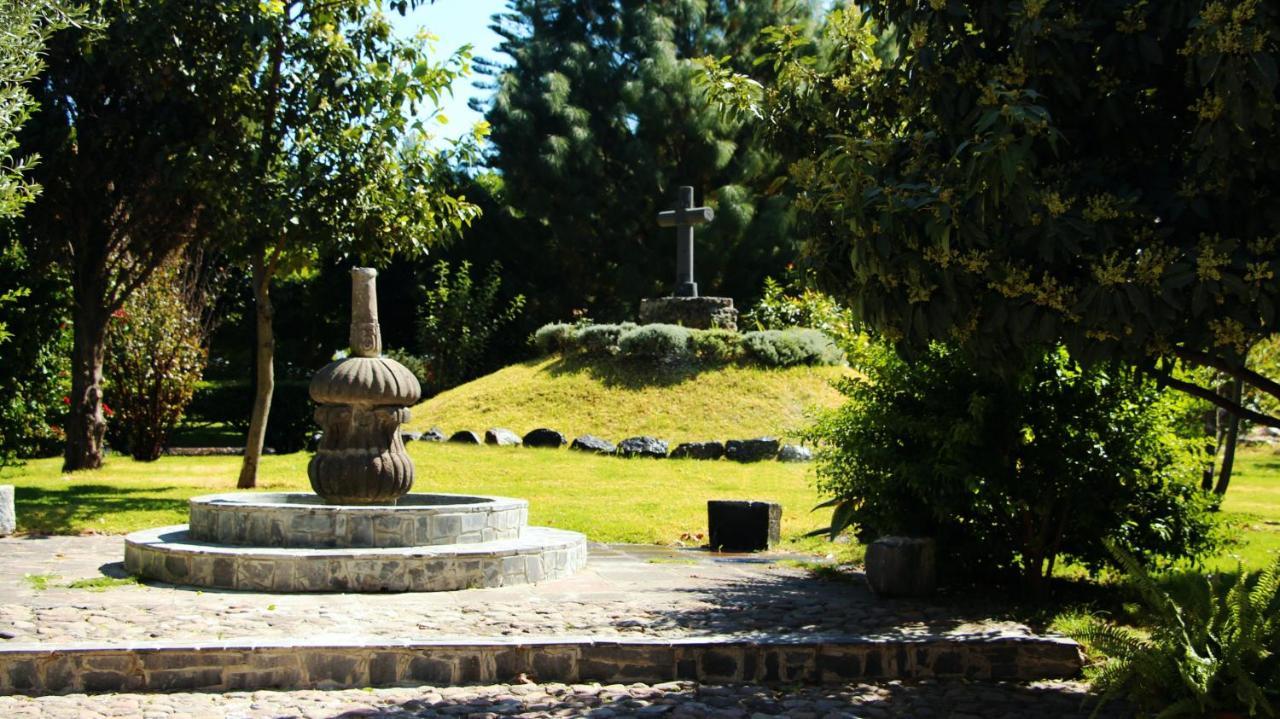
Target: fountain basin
<point>304,520</point>
<point>169,554</point>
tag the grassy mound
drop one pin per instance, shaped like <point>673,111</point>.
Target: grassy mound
<point>620,399</point>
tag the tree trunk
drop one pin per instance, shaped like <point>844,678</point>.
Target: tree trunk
<point>1232,437</point>
<point>85,422</point>
<point>1211,435</point>
<point>264,360</point>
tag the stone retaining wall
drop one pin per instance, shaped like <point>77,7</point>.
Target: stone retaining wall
<point>239,666</point>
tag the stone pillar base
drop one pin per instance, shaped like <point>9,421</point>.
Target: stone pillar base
<point>701,313</point>
<point>8,518</point>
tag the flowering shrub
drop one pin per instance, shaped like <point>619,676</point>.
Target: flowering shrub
<point>155,358</point>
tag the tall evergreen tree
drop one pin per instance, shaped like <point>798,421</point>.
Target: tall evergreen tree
<point>597,118</point>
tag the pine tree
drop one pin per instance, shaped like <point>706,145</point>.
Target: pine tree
<point>597,119</point>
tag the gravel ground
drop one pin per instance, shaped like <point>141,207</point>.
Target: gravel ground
<point>927,700</point>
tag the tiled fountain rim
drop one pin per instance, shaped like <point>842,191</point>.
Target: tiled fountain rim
<point>294,519</point>
<point>540,554</point>
<point>289,501</point>
<point>175,539</point>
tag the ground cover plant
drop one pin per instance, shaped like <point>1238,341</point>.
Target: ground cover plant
<point>1211,646</point>
<point>616,399</point>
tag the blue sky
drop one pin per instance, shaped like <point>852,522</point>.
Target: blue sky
<point>457,23</point>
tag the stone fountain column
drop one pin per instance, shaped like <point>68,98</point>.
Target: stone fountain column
<point>363,399</point>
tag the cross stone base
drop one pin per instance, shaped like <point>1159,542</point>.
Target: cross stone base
<point>701,313</point>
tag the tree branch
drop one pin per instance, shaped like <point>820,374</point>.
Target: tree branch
<point>1241,373</point>
<point>1234,408</point>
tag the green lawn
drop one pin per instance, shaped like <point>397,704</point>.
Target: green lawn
<point>1252,510</point>
<point>621,399</point>
<point>609,499</point>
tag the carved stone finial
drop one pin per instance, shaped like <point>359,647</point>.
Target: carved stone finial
<point>366,335</point>
<point>363,399</point>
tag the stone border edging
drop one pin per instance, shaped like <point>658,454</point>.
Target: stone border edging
<point>240,665</point>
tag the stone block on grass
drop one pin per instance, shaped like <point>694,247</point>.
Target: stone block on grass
<point>698,450</point>
<point>902,566</point>
<point>795,453</point>
<point>751,450</point>
<point>465,436</point>
<point>545,438</point>
<point>435,434</point>
<point>8,515</point>
<point>642,447</point>
<point>743,525</point>
<point>592,443</point>
<point>501,437</point>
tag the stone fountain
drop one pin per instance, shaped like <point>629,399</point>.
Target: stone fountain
<point>362,530</point>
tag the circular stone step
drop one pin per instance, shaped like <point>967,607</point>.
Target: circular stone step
<point>298,519</point>
<point>169,554</point>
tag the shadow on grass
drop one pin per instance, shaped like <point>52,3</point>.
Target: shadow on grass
<point>624,374</point>
<point>70,509</point>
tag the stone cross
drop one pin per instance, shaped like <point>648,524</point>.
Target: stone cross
<point>684,218</point>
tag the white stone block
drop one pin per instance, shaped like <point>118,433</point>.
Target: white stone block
<point>8,517</point>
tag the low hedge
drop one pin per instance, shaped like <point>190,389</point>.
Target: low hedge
<point>661,343</point>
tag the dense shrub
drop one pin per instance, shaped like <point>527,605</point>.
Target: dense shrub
<point>553,338</point>
<point>600,340</point>
<point>155,357</point>
<point>656,342</point>
<point>34,361</point>
<point>715,346</point>
<point>1009,473</point>
<point>787,348</point>
<point>673,343</point>
<point>416,365</point>
<point>783,307</point>
<point>459,318</point>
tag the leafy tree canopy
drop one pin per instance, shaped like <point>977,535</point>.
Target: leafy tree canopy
<point>595,122</point>
<point>1012,175</point>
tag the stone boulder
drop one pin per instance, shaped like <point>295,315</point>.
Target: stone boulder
<point>642,447</point>
<point>545,438</point>
<point>465,436</point>
<point>751,450</point>
<point>795,453</point>
<point>592,443</point>
<point>435,434</point>
<point>408,437</point>
<point>698,450</point>
<point>501,437</point>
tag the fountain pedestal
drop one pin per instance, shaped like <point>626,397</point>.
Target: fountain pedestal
<point>360,531</point>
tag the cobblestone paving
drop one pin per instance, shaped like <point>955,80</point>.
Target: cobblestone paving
<point>926,700</point>
<point>625,591</point>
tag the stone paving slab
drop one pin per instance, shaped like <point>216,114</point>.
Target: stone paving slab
<point>625,591</point>
<point>678,700</point>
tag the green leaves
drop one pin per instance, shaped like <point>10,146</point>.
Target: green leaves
<point>1212,647</point>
